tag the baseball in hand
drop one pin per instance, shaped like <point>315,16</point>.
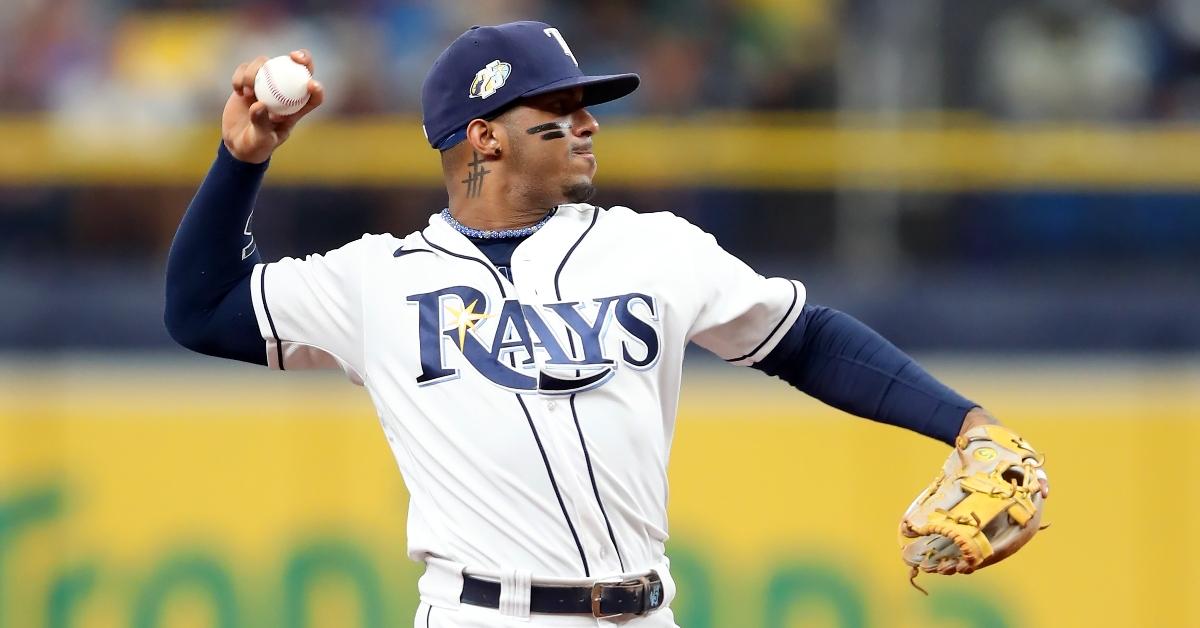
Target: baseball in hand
<point>282,85</point>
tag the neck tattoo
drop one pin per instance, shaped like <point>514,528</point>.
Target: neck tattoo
<point>550,130</point>
<point>475,176</point>
<point>491,234</point>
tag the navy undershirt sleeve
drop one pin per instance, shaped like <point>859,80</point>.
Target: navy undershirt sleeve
<point>208,304</point>
<point>835,358</point>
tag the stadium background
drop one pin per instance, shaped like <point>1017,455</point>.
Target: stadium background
<point>1009,190</point>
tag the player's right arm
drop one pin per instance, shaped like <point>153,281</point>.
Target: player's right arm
<point>209,306</point>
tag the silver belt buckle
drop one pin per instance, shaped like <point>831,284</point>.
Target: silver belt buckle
<point>598,590</point>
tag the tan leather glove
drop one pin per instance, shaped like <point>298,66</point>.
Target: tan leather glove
<point>984,506</point>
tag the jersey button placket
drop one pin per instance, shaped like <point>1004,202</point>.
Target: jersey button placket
<point>575,479</point>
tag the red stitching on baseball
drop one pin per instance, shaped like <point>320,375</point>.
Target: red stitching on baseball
<point>283,100</point>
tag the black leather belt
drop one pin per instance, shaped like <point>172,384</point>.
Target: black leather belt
<point>637,596</point>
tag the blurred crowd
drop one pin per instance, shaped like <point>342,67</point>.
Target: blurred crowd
<point>995,270</point>
<point>167,60</point>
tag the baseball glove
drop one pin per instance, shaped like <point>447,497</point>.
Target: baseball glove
<point>984,506</point>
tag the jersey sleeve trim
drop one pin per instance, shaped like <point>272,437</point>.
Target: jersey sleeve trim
<point>764,348</point>
<point>266,324</point>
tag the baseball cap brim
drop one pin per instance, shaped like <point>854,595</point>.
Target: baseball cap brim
<point>596,89</point>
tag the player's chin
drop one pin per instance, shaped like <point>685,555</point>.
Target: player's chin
<point>579,191</point>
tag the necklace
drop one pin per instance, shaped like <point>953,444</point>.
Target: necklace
<point>522,232</point>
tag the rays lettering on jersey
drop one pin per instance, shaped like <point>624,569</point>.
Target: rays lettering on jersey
<point>457,316</point>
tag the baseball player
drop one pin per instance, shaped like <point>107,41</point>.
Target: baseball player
<point>523,350</point>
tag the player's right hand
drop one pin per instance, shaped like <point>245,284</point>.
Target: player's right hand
<point>251,133</point>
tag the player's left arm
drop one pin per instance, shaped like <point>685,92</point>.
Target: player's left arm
<point>986,504</point>
<point>837,359</point>
<point>767,324</point>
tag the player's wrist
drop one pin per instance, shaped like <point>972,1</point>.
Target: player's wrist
<point>241,158</point>
<point>975,417</point>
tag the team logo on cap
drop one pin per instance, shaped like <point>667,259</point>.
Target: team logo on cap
<point>490,79</point>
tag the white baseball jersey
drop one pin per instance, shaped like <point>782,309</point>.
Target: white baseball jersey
<point>531,419</point>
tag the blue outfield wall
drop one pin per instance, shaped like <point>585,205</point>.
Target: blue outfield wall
<point>1048,270</point>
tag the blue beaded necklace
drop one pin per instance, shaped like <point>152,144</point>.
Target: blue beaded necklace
<point>470,232</point>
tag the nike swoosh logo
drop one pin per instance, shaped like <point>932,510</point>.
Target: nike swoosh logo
<point>401,252</point>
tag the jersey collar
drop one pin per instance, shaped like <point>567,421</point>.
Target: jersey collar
<point>550,243</point>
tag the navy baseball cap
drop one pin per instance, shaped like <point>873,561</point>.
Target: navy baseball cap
<point>488,68</point>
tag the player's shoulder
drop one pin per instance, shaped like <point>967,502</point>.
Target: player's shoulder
<point>382,241</point>
<point>659,226</point>
<point>370,243</point>
<point>366,247</point>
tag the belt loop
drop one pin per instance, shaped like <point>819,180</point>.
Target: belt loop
<point>668,583</point>
<point>515,590</point>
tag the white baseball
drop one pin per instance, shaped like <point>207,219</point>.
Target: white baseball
<point>282,85</point>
